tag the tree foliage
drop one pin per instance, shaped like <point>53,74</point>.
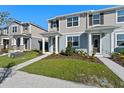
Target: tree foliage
<point>5,19</point>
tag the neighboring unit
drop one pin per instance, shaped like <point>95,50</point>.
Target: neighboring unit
<point>21,36</point>
<point>100,31</point>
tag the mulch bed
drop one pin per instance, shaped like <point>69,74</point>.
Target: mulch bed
<point>75,56</point>
<point>119,61</point>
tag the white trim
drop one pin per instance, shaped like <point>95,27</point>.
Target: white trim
<point>112,42</point>
<point>73,33</point>
<point>56,44</point>
<point>72,21</point>
<point>59,25</point>
<point>90,49</point>
<point>72,40</point>
<point>43,45</point>
<point>15,25</point>
<point>117,16</point>
<point>30,40</point>
<point>116,38</point>
<point>30,29</point>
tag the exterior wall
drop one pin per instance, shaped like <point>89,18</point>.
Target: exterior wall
<point>62,43</point>
<point>35,43</point>
<point>35,31</point>
<point>83,42</point>
<point>51,29</point>
<point>18,28</point>
<point>80,28</point>
<point>106,44</point>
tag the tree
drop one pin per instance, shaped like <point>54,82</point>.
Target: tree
<point>5,20</point>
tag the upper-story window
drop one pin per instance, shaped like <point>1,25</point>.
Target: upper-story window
<point>14,29</point>
<point>72,21</point>
<point>96,19</point>
<point>120,39</point>
<point>25,27</point>
<point>120,16</point>
<point>54,24</point>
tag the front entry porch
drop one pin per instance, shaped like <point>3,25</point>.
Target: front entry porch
<point>21,42</point>
<point>53,42</point>
<point>100,40</point>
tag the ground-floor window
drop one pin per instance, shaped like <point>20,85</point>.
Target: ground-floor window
<point>120,39</point>
<point>75,40</point>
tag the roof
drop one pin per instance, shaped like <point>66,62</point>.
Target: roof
<point>51,33</point>
<point>102,28</point>
<point>21,23</point>
<point>88,11</point>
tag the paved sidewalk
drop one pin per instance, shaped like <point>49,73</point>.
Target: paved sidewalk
<point>26,80</point>
<point>3,54</point>
<point>19,66</point>
<point>117,69</point>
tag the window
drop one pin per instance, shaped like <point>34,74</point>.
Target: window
<point>74,40</point>
<point>120,39</point>
<point>14,29</point>
<point>53,24</point>
<point>72,21</point>
<point>25,27</point>
<point>96,19</point>
<point>120,16</point>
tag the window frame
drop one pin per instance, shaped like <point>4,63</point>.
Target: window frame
<point>14,30</point>
<point>96,19</point>
<point>72,21</point>
<point>117,15</point>
<point>72,40</point>
<point>117,39</point>
<point>54,24</point>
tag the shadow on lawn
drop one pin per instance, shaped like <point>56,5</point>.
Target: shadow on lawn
<point>6,72</point>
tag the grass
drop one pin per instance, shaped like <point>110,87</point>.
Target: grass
<point>5,60</point>
<point>75,70</point>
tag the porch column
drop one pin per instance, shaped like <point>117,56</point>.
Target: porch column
<point>21,41</point>
<point>112,42</point>
<point>30,42</point>
<point>43,45</point>
<point>56,44</point>
<point>90,43</point>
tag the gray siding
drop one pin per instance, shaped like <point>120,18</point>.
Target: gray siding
<point>84,41</point>
<point>62,43</point>
<point>106,44</point>
<point>35,43</point>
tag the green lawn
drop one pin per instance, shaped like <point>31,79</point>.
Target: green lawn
<point>5,60</point>
<point>75,70</point>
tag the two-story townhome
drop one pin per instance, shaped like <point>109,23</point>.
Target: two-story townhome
<point>21,36</point>
<point>101,31</point>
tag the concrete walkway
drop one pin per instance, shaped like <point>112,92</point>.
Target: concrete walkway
<point>3,54</point>
<point>19,66</point>
<point>117,69</point>
<point>26,80</point>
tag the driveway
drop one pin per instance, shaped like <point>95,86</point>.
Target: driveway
<point>25,80</point>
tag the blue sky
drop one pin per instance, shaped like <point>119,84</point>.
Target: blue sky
<point>40,14</point>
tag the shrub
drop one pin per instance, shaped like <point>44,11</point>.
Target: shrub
<point>69,50</point>
<point>62,52</point>
<point>115,56</point>
<point>10,65</point>
<point>5,50</point>
<point>82,53</point>
<point>38,51</point>
<point>122,52</point>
